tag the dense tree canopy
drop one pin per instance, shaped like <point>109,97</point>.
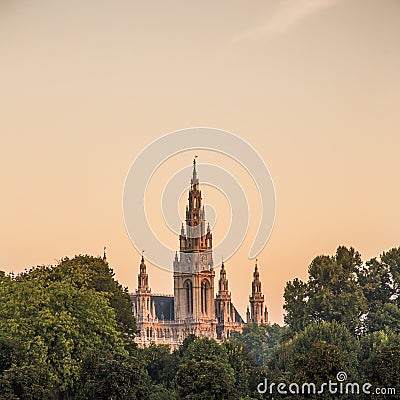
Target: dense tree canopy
<point>89,272</point>
<point>51,318</point>
<point>66,332</point>
<point>332,293</point>
<point>260,340</point>
<point>54,324</point>
<point>205,371</point>
<point>363,296</point>
<point>112,374</point>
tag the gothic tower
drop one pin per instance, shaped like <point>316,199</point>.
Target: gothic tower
<point>225,311</point>
<point>143,307</point>
<point>223,298</point>
<point>257,314</point>
<point>193,269</point>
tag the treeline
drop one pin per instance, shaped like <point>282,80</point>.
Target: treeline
<point>66,332</point>
<point>345,318</point>
<point>56,323</point>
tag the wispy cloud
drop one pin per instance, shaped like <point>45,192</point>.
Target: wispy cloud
<point>291,14</point>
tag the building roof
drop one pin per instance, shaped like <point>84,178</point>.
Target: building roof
<point>238,318</point>
<point>164,306</point>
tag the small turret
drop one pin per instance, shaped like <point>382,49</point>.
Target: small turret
<point>223,282</point>
<point>257,314</point>
<point>143,278</point>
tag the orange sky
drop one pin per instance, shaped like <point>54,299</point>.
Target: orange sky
<point>312,85</point>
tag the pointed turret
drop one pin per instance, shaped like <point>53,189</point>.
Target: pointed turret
<point>143,278</point>
<point>258,314</point>
<point>224,307</point>
<point>223,282</point>
<point>256,285</point>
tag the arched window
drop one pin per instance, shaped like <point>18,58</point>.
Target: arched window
<point>189,296</point>
<point>204,296</point>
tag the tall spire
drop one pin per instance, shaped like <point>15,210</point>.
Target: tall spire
<point>195,219</point>
<point>194,180</point>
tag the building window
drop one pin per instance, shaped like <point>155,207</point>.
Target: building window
<point>204,294</point>
<point>189,296</point>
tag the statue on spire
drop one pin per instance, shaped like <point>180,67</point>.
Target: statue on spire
<point>195,181</point>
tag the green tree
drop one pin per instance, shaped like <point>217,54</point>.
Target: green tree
<point>113,375</point>
<point>331,333</point>
<point>376,281</point>
<point>383,316</point>
<point>316,355</point>
<point>332,293</point>
<point>161,364</point>
<point>260,340</point>
<point>247,372</point>
<point>9,350</point>
<point>55,323</point>
<point>380,361</point>
<point>26,382</point>
<point>89,272</point>
<point>182,349</point>
<point>205,372</point>
<point>296,296</point>
<point>391,261</point>
<point>379,280</point>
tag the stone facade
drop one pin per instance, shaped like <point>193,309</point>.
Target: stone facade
<point>192,309</point>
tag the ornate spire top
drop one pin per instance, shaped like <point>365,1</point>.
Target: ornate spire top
<point>194,181</point>
<point>223,282</point>
<point>143,278</point>
<point>223,270</point>
<point>256,274</point>
<point>142,264</point>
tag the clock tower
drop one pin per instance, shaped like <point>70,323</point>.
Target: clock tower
<point>194,267</point>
